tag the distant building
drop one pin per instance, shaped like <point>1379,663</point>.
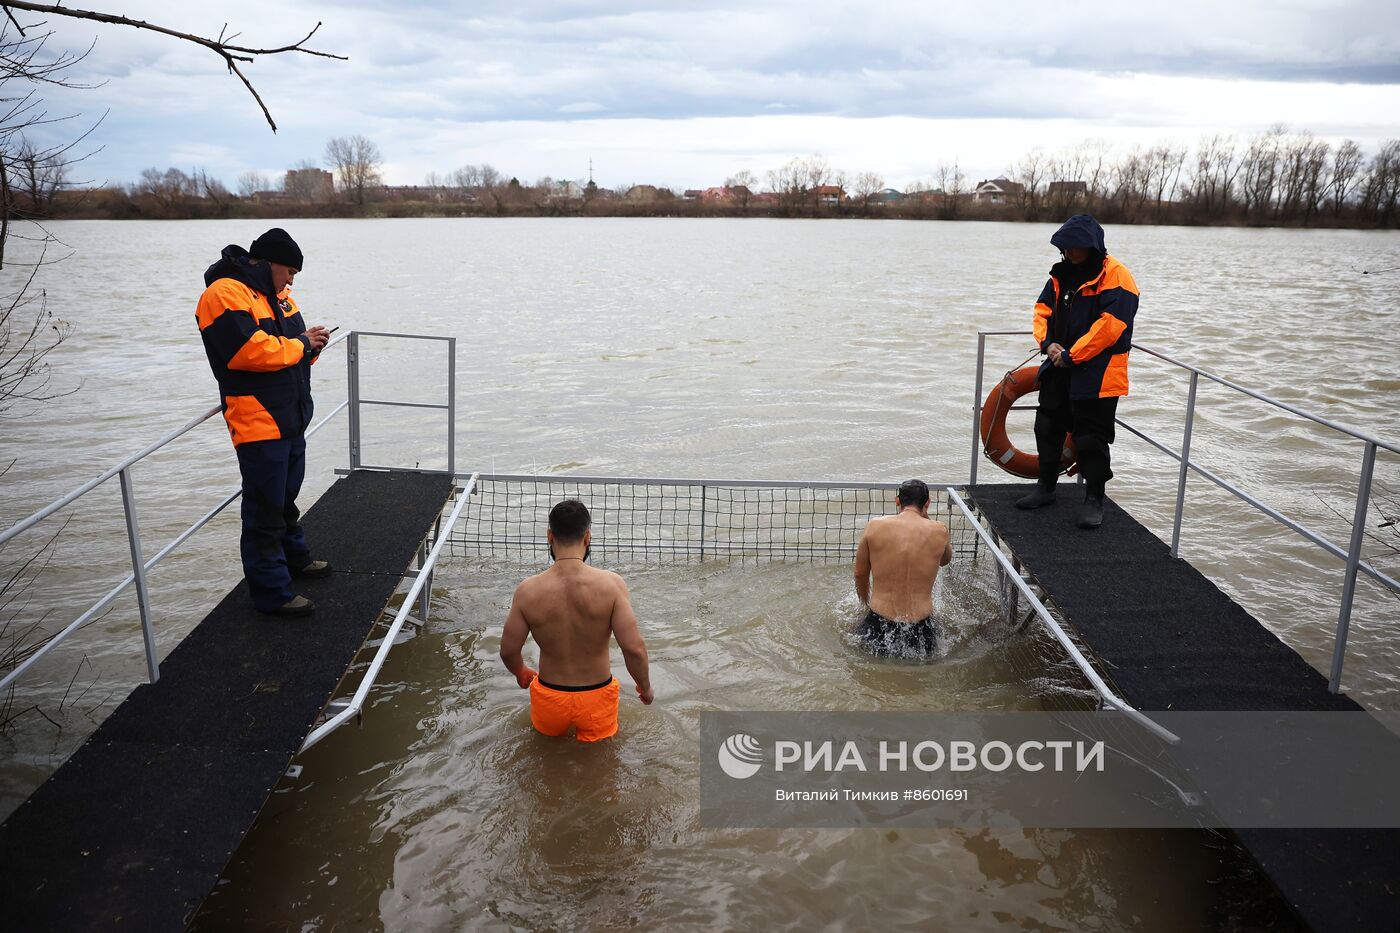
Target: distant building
<point>641,194</point>
<point>691,194</point>
<point>741,192</point>
<point>1067,191</point>
<point>998,191</point>
<point>829,194</point>
<point>715,195</point>
<point>887,196</point>
<point>309,184</point>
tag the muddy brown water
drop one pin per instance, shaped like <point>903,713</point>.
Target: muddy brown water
<point>765,349</point>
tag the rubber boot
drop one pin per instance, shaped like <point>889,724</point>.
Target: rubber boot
<point>1091,513</point>
<point>1043,494</point>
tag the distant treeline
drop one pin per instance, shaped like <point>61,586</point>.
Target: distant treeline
<point>1274,178</point>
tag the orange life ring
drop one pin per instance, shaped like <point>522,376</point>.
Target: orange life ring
<point>996,445</point>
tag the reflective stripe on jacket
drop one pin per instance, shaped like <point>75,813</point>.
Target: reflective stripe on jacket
<point>1099,332</point>
<point>257,351</point>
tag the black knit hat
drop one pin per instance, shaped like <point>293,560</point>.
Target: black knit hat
<point>276,245</point>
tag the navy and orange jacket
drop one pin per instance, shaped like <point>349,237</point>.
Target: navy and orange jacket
<point>257,348</point>
<point>1099,330</point>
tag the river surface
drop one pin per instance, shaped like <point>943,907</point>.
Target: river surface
<point>752,349</point>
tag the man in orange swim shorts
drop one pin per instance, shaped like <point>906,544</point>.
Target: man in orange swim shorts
<point>573,610</point>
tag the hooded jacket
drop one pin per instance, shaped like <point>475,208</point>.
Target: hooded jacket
<point>257,349</point>
<point>1096,319</point>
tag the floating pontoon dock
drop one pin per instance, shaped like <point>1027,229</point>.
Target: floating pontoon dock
<point>1172,640</point>
<point>1168,639</point>
<point>133,831</point>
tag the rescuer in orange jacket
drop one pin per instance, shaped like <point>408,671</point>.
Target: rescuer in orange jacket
<point>1084,325</point>
<point>261,353</point>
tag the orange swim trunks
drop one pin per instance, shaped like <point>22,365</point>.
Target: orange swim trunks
<point>593,710</point>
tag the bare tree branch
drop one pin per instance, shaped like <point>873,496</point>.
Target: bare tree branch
<point>231,54</point>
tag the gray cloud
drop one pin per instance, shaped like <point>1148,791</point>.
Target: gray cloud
<point>528,60</point>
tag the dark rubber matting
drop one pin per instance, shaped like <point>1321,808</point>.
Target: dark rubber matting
<point>1172,640</point>
<point>134,829</point>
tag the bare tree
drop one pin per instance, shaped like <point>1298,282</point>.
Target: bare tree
<point>1131,184</point>
<point>866,186</point>
<point>250,183</point>
<point>355,161</point>
<point>1163,172</point>
<point>788,182</point>
<point>29,332</point>
<point>167,190</point>
<point>222,46</point>
<point>1314,168</point>
<point>1346,173</point>
<point>1380,194</point>
<point>39,175</point>
<point>212,190</point>
<point>1260,172</point>
<point>1030,174</point>
<point>1209,190</point>
<point>495,188</point>
<point>953,183</point>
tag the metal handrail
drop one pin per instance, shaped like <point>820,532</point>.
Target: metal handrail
<point>1351,554</point>
<point>356,401</point>
<point>1105,692</point>
<point>140,564</point>
<point>1393,447</point>
<point>146,566</point>
<point>357,702</point>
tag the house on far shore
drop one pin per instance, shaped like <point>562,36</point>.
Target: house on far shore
<point>692,194</point>
<point>887,196</point>
<point>1067,192</point>
<point>641,194</point>
<point>829,194</point>
<point>716,195</point>
<point>998,191</point>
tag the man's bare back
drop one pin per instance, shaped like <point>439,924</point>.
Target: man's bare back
<point>573,611</point>
<point>903,553</point>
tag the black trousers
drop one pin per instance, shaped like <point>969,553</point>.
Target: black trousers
<point>272,543</point>
<point>1088,421</point>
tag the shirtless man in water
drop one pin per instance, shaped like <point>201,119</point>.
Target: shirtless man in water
<point>905,552</point>
<point>573,610</point>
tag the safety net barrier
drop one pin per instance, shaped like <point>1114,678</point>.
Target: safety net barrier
<point>677,520</point>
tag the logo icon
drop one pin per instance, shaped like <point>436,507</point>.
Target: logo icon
<point>741,756</point>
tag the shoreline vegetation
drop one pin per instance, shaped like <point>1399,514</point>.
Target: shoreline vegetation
<point>1277,178</point>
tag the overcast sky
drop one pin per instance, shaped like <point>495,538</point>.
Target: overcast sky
<point>686,92</point>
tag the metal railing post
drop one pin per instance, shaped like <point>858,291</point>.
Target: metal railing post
<point>452,405</point>
<point>425,595</point>
<point>138,569</point>
<point>1185,465</point>
<point>977,409</point>
<point>352,392</point>
<point>1358,536</point>
<point>704,495</point>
